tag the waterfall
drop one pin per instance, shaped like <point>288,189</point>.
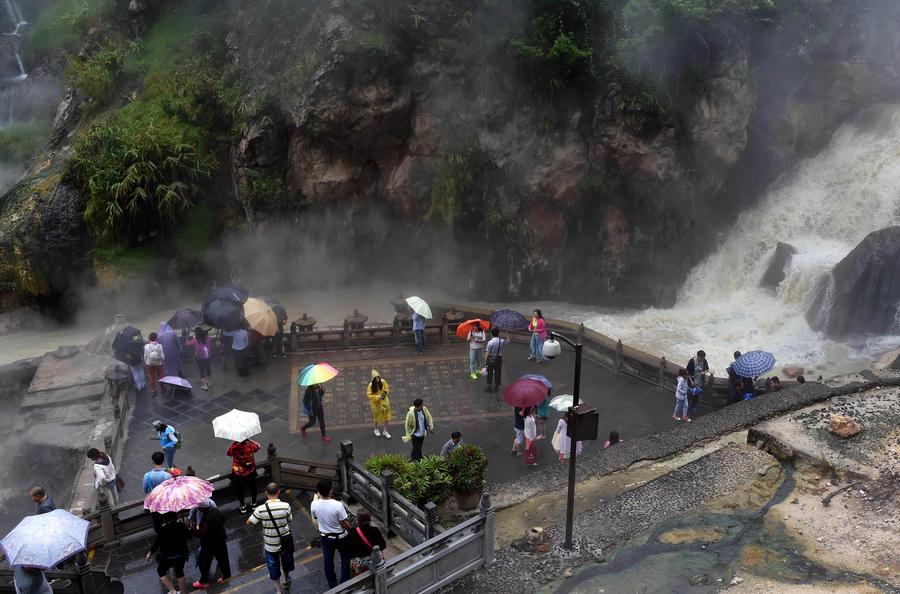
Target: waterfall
<point>11,23</point>
<point>824,207</point>
<point>10,17</point>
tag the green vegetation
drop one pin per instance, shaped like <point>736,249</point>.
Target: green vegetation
<point>394,462</point>
<point>426,480</point>
<point>63,23</point>
<point>377,43</point>
<point>96,75</point>
<point>197,232</point>
<point>454,182</point>
<point>135,260</point>
<point>140,166</point>
<point>19,142</point>
<point>466,465</point>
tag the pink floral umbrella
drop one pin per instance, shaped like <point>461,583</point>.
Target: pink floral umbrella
<point>176,494</point>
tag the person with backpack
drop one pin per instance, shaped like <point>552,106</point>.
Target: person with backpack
<point>493,353</point>
<point>202,356</point>
<point>154,359</point>
<point>169,439</point>
<point>105,477</point>
<point>314,407</point>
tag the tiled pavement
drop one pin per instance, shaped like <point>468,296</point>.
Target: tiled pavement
<point>440,377</point>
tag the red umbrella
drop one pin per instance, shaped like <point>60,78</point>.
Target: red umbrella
<point>463,329</point>
<point>524,393</point>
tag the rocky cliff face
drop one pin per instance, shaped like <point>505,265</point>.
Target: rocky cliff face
<point>420,144</point>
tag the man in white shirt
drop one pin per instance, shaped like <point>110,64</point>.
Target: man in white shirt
<point>334,525</point>
<point>276,517</point>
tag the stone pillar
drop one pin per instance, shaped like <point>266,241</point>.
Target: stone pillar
<point>344,458</point>
<point>445,331</point>
<point>487,513</point>
<point>387,486</point>
<point>107,523</point>
<point>293,337</point>
<point>396,332</point>
<point>274,464</point>
<point>430,519</point>
<point>379,570</point>
<point>345,337</point>
<point>662,372</point>
<point>619,354</point>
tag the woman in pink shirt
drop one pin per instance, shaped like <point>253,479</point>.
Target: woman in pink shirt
<point>538,336</point>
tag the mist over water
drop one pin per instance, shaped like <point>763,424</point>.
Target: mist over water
<point>823,207</point>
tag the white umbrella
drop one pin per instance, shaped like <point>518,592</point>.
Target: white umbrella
<point>45,540</point>
<point>562,402</point>
<point>419,306</point>
<point>236,425</point>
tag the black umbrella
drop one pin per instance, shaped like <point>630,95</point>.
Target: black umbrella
<point>507,319</point>
<point>224,308</point>
<point>185,318</point>
<point>128,346</point>
<point>280,312</point>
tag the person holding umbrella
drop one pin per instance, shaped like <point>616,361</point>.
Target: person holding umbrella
<point>420,312</point>
<point>493,359</point>
<point>243,470</point>
<point>171,344</point>
<point>314,406</point>
<point>377,393</point>
<point>530,433</point>
<point>30,580</point>
<point>42,542</point>
<point>171,548</point>
<point>476,337</point>
<point>240,340</point>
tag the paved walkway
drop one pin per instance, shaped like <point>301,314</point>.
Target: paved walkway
<point>440,377</point>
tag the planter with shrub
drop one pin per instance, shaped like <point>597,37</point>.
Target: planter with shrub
<point>467,464</point>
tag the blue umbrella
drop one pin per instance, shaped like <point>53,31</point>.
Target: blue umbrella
<point>507,319</point>
<point>754,363</point>
<point>45,540</point>
<point>539,378</point>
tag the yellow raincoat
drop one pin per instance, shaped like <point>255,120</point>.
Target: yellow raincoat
<point>381,407</point>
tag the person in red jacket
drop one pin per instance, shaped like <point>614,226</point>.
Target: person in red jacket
<point>243,470</point>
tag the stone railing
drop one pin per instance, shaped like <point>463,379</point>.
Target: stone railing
<point>433,564</point>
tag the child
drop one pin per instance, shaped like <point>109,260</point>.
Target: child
<point>613,440</point>
<point>681,397</point>
<point>530,437</point>
<point>202,355</point>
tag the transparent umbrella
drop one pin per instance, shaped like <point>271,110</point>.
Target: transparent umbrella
<point>45,540</point>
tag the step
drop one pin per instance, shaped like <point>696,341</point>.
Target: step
<point>308,577</point>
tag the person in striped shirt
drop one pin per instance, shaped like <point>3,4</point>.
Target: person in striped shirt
<point>276,517</point>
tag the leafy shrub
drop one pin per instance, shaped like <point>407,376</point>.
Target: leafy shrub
<point>454,182</point>
<point>466,465</point>
<point>97,74</point>
<point>426,480</point>
<point>62,24</point>
<point>140,167</point>
<point>137,261</point>
<point>396,463</point>
<point>18,142</point>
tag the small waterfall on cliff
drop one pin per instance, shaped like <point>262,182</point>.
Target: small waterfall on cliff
<point>823,207</point>
<point>11,23</point>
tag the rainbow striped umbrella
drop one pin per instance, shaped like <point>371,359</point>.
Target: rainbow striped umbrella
<point>316,373</point>
<point>176,494</point>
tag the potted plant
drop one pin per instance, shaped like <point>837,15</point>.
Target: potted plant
<point>426,480</point>
<point>467,464</point>
<point>394,462</point>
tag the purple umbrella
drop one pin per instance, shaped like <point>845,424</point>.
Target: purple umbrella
<point>176,382</point>
<point>185,318</point>
<point>507,319</point>
<point>538,378</point>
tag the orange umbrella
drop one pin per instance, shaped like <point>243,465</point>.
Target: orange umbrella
<point>463,329</point>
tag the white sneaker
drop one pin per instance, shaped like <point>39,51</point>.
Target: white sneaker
<point>377,433</point>
<point>386,434</point>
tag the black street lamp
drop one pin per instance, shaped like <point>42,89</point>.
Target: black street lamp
<point>551,350</point>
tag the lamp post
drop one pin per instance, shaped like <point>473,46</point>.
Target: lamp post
<point>551,350</point>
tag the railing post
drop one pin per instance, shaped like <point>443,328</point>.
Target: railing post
<point>293,338</point>
<point>345,337</point>
<point>274,464</point>
<point>619,354</point>
<point>379,569</point>
<point>107,524</point>
<point>396,332</point>
<point>387,486</point>
<point>710,387</point>
<point>662,372</point>
<point>83,567</point>
<point>344,459</point>
<point>487,513</point>
<point>430,519</point>
<point>445,331</point>
<point>581,333</point>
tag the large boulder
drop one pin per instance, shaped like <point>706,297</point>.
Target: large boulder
<point>778,265</point>
<point>864,290</point>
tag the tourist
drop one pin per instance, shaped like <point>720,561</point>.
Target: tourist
<point>278,542</point>
<point>801,380</point>
<point>240,340</point>
<point>171,549</point>
<point>542,415</point>
<point>171,344</point>
<point>493,353</point>
<point>44,502</point>
<point>519,429</point>
<point>773,384</point>
<point>377,392</point>
<point>278,341</point>
<point>613,440</point>
<point>562,443</point>
<point>681,397</point>
<point>418,326</point>
<point>697,368</point>
<point>334,525</point>
<point>418,424</point>
<point>476,338</point>
<point>30,580</point>
<point>362,540</point>
<point>530,434</point>
<point>202,356</point>
<point>454,442</point>
<point>195,515</point>
<point>153,361</point>
<point>314,407</point>
<point>213,545</point>
<point>168,441</point>
<point>105,476</point>
<point>538,329</point>
<point>152,479</point>
<point>243,471</point>
<point>748,388</point>
<point>734,380</point>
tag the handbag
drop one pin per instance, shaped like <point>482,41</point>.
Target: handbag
<point>287,542</point>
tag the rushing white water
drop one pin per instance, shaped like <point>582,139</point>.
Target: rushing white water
<point>11,23</point>
<point>823,207</point>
